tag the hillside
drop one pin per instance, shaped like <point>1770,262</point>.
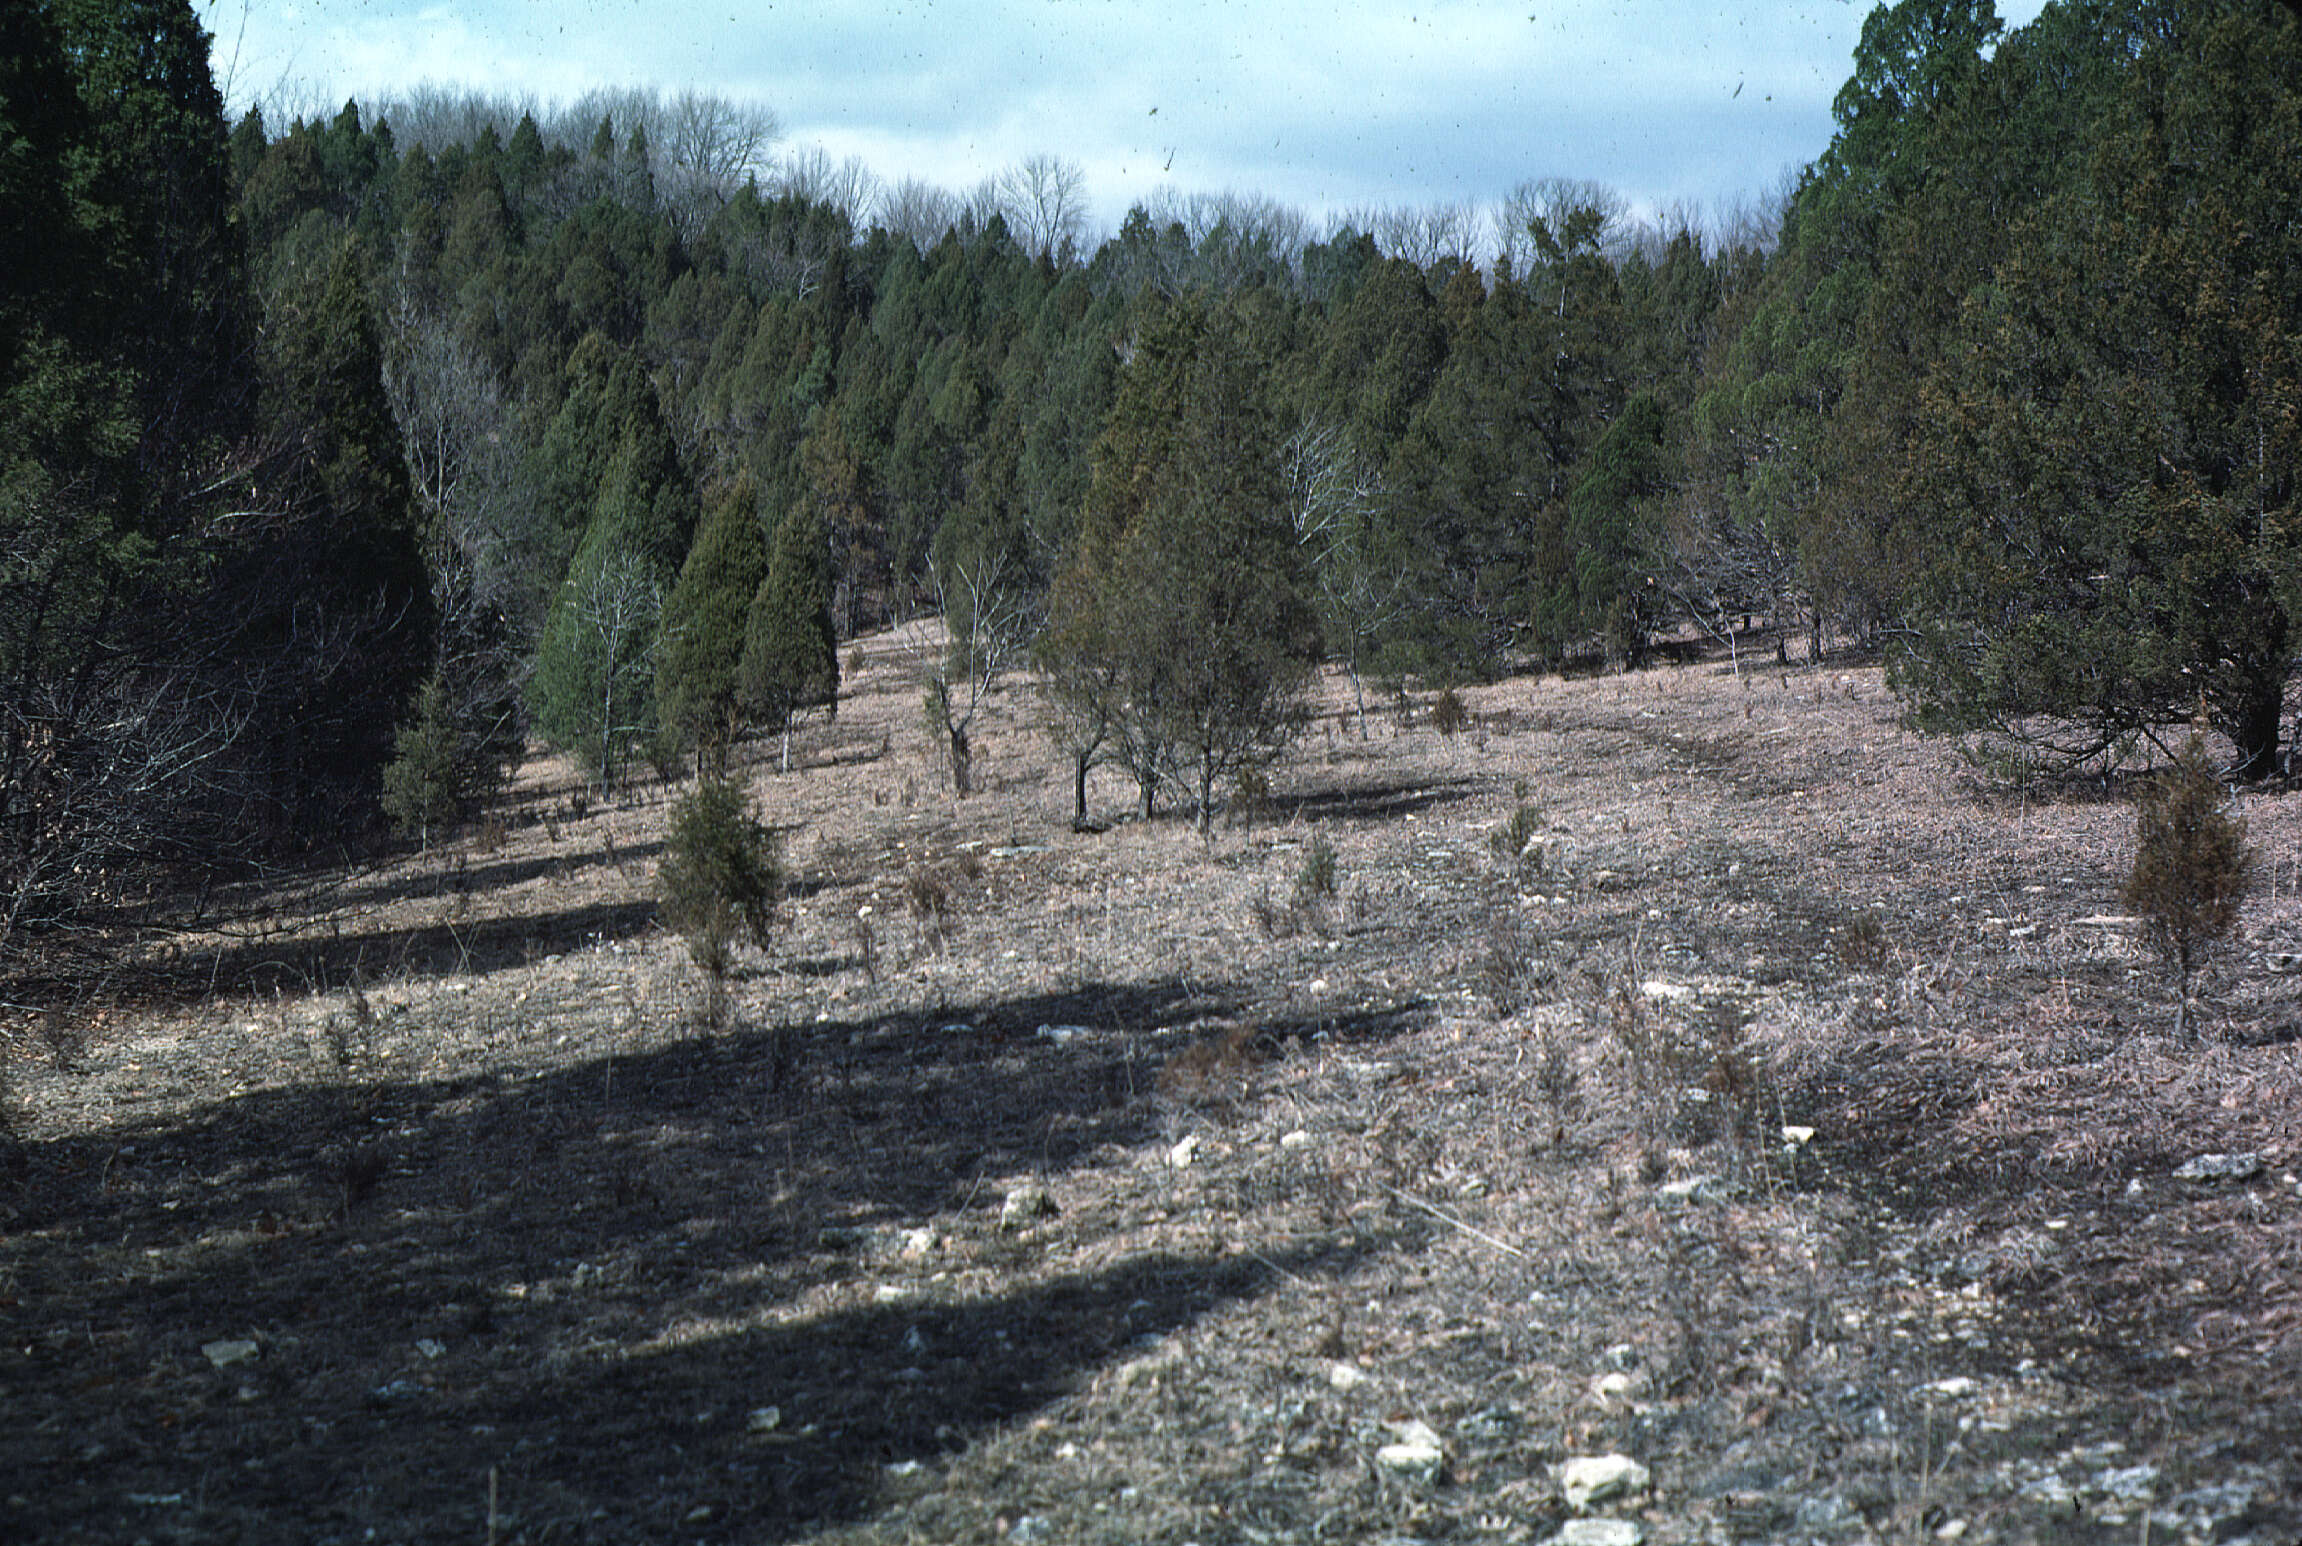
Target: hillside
<point>1121,1187</point>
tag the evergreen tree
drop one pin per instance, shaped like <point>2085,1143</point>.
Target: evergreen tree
<point>343,597</point>
<point>790,651</point>
<point>2103,487</point>
<point>1181,621</point>
<point>704,624</point>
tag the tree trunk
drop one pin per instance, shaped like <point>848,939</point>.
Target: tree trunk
<point>2255,726</point>
<point>962,763</point>
<point>1079,789</point>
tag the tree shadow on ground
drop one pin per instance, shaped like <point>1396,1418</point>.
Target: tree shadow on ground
<point>478,945</point>
<point>1381,802</point>
<point>595,1279</point>
<point>442,879</point>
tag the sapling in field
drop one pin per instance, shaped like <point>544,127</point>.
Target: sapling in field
<point>2191,866</point>
<point>718,878</point>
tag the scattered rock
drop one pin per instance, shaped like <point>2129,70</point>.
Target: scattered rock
<point>1825,1514</point>
<point>1668,992</point>
<point>431,1347</point>
<point>2053,1494</point>
<point>1417,1452</point>
<point>2129,1484</point>
<point>2221,1167</point>
<point>1184,1153</point>
<point>225,1354</point>
<point>1957,1387</point>
<point>1344,1376</point>
<point>1063,1035</point>
<point>918,1243</point>
<point>1029,1528</point>
<point>1589,1479</point>
<point>1024,1204</point>
<point>1608,1387</point>
<point>1600,1532</point>
<point>763,1419</point>
<point>1495,1425</point>
<point>1298,1139</point>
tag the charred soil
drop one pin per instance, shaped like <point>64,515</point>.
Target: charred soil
<point>1680,1065</point>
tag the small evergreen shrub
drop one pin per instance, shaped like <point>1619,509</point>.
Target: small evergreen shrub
<point>1448,715</point>
<point>719,875</point>
<point>1518,842</point>
<point>424,785</point>
<point>1317,879</point>
<point>2191,865</point>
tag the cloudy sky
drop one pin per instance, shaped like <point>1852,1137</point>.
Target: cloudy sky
<point>1325,104</point>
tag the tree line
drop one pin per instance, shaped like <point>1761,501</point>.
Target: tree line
<point>339,456</point>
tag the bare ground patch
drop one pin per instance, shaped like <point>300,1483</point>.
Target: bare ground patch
<point>1113,1187</point>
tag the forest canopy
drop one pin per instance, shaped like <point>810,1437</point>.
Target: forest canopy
<point>339,456</point>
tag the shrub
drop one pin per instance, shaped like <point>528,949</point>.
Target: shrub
<point>2191,865</point>
<point>1316,880</point>
<point>1517,842</point>
<point>1448,716</point>
<point>424,784</point>
<point>719,874</point>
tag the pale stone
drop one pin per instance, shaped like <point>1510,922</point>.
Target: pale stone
<point>1589,1479</point>
<point>1600,1532</point>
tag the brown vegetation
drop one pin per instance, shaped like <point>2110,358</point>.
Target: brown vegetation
<point>1037,1188</point>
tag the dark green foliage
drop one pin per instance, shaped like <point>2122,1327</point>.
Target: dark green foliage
<point>2100,490</point>
<point>428,780</point>
<point>343,597</point>
<point>1611,526</point>
<point>2191,864</point>
<point>1181,627</point>
<point>719,876</point>
<point>703,630</point>
<point>790,652</point>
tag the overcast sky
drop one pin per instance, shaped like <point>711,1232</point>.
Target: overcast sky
<point>1324,104</point>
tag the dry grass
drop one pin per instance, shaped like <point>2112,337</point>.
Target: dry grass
<point>1489,1135</point>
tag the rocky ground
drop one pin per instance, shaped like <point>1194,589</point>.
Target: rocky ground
<point>1697,1111</point>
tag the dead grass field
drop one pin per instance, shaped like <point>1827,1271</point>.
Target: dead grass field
<point>1099,1187</point>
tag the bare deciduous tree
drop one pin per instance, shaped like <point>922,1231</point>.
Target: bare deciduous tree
<point>1335,499</point>
<point>988,625</point>
<point>848,186</point>
<point>918,211</point>
<point>1045,200</point>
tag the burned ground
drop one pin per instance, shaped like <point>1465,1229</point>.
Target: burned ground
<point>1109,1186</point>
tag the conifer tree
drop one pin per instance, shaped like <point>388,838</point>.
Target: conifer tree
<point>704,624</point>
<point>343,596</point>
<point>790,651</point>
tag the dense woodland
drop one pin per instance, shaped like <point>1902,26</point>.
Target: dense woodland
<point>340,456</point>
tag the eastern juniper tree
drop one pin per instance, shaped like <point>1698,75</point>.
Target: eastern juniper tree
<point>2191,866</point>
<point>697,689</point>
<point>790,652</point>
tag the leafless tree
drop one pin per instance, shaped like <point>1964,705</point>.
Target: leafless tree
<point>436,116</point>
<point>918,211</point>
<point>1234,237</point>
<point>1045,200</point>
<point>848,185</point>
<point>978,206</point>
<point>1724,567</point>
<point>1335,498</point>
<point>988,623</point>
<point>1547,202</point>
<point>1426,235</point>
<point>617,604</point>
